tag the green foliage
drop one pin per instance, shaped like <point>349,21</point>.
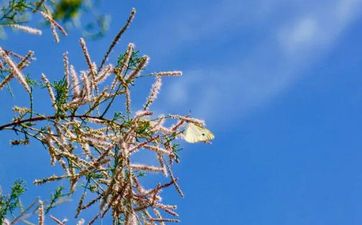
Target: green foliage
<point>13,11</point>
<point>70,11</point>
<point>58,194</point>
<point>61,95</point>
<point>92,147</point>
<point>32,82</point>
<point>133,62</point>
<point>143,128</point>
<point>66,10</point>
<point>8,203</point>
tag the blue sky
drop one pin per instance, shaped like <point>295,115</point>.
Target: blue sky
<point>279,82</point>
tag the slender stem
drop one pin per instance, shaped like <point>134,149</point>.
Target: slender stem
<point>110,103</point>
<point>42,118</point>
<point>116,39</point>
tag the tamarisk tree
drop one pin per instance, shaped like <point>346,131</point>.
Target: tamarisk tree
<point>93,139</point>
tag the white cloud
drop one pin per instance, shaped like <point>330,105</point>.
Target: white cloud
<point>347,9</point>
<point>249,80</point>
<point>300,35</point>
<point>317,28</point>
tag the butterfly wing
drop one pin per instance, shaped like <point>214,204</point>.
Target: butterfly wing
<point>191,133</point>
<point>195,133</point>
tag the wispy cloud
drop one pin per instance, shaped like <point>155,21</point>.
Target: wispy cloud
<point>244,81</point>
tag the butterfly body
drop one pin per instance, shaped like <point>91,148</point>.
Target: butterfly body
<point>197,133</point>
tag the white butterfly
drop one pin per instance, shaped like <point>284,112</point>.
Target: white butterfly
<point>196,133</point>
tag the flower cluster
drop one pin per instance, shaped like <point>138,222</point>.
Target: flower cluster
<point>96,142</point>
<point>20,15</point>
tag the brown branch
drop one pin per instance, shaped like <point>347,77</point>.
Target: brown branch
<point>42,118</point>
<point>116,39</point>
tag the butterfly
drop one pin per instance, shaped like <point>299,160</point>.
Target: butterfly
<point>196,133</point>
